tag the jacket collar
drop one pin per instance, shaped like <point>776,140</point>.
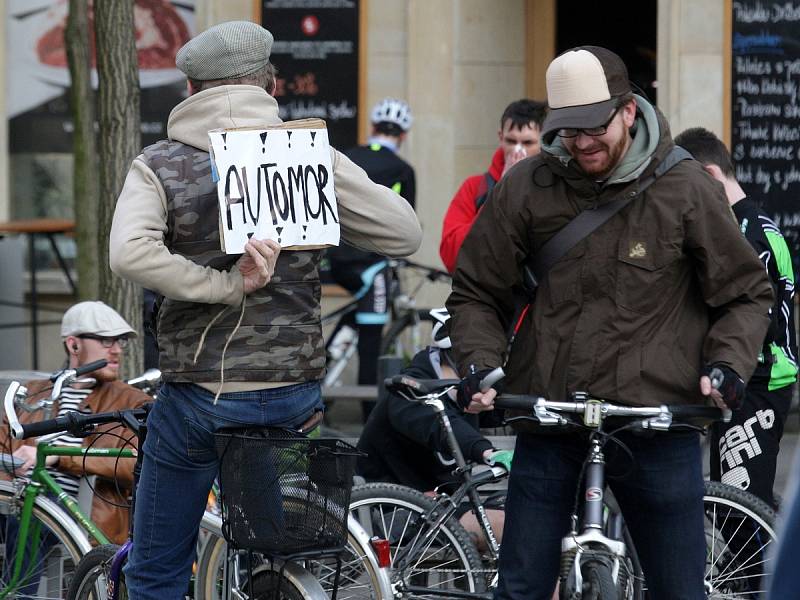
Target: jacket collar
<point>223,107</point>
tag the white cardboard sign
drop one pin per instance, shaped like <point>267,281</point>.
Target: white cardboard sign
<point>274,184</point>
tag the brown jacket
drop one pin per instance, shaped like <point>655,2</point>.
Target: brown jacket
<point>631,313</point>
<point>111,472</point>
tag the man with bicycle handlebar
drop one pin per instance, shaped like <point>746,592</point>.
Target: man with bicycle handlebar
<point>656,299</point>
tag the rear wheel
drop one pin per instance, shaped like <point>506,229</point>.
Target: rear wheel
<point>740,532</point>
<point>55,545</point>
<point>446,561</point>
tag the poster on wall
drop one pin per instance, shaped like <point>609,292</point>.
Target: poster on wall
<point>37,96</point>
<point>765,112</point>
<point>316,53</point>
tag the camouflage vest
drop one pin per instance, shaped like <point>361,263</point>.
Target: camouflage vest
<point>280,337</point>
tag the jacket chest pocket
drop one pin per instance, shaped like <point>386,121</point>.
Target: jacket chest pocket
<point>645,268</point>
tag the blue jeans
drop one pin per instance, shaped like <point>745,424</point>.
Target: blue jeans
<point>180,465</point>
<point>661,498</point>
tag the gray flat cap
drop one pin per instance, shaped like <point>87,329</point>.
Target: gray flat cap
<point>227,50</point>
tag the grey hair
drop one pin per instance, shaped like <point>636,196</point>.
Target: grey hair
<point>263,78</point>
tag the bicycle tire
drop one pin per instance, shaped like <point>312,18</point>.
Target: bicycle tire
<point>358,579</point>
<point>449,562</point>
<point>392,340</point>
<point>598,583</point>
<point>732,570</point>
<point>267,583</point>
<point>90,579</point>
<point>736,567</point>
<point>57,564</point>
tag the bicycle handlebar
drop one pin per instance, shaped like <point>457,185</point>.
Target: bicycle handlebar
<point>77,424</point>
<point>59,379</point>
<point>78,371</point>
<point>594,410</point>
<point>547,412</point>
<point>431,273</point>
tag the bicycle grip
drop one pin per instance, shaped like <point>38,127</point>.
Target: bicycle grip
<point>56,425</point>
<point>493,377</point>
<point>515,402</point>
<point>89,367</point>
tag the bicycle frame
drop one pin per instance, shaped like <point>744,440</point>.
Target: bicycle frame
<point>40,482</point>
<point>446,506</point>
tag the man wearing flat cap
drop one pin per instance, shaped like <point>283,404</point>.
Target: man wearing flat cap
<point>240,340</point>
<point>90,331</point>
<point>637,310</point>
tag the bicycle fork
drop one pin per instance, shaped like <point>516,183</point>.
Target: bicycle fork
<point>592,543</point>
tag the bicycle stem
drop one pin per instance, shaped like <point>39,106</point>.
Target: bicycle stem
<point>594,488</point>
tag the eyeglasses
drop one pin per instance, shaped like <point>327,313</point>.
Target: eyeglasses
<point>107,342</point>
<point>590,131</point>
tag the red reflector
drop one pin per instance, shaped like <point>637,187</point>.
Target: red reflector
<point>381,548</point>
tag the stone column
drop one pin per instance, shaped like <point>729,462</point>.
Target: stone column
<point>5,203</point>
<point>691,64</point>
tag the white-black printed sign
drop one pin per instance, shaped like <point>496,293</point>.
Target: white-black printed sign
<point>274,184</point>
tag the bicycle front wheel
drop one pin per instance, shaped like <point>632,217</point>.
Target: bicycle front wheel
<point>598,583</point>
<point>446,560</point>
<point>91,576</point>
<point>740,531</point>
<point>55,545</point>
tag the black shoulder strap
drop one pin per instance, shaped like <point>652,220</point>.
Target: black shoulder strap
<point>587,221</point>
<point>486,190</point>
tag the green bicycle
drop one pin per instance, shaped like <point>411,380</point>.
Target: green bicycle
<point>43,530</point>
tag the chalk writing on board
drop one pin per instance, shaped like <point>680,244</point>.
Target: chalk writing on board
<point>765,114</point>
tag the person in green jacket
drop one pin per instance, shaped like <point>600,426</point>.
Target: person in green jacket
<point>744,452</point>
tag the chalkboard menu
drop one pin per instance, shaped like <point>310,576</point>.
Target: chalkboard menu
<point>765,117</point>
<point>316,52</point>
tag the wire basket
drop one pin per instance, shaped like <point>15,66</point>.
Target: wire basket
<point>282,493</point>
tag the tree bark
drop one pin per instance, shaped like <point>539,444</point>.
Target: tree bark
<point>119,140</point>
<point>84,171</point>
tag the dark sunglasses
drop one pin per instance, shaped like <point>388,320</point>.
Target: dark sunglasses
<point>590,131</point>
<point>106,342</point>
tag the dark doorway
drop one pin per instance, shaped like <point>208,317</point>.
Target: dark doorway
<point>628,27</point>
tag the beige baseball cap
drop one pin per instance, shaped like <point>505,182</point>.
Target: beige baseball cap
<point>95,318</point>
<point>225,51</point>
<point>583,85</point>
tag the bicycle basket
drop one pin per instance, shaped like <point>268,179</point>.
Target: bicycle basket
<point>282,493</point>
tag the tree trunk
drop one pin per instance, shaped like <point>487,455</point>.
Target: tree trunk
<point>118,112</point>
<point>84,172</point>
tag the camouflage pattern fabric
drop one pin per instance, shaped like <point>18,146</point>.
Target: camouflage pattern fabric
<point>280,337</point>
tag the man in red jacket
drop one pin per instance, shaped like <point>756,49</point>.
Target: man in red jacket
<point>519,137</point>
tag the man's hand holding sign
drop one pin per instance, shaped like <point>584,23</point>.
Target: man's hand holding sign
<point>257,264</point>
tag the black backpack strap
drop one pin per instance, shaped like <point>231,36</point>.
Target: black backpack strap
<point>486,188</point>
<point>587,221</point>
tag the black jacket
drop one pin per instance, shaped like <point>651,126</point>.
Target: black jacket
<point>405,444</point>
<point>385,167</point>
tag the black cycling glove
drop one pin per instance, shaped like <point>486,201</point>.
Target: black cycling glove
<point>729,384</point>
<point>470,385</point>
